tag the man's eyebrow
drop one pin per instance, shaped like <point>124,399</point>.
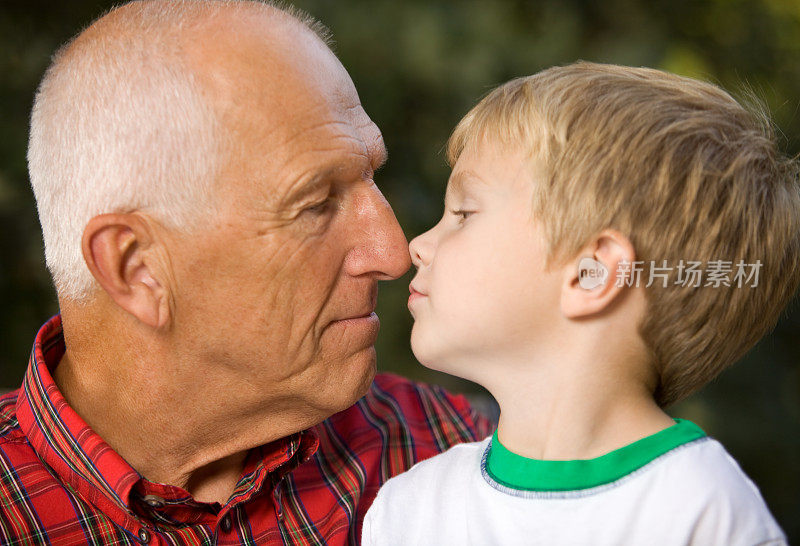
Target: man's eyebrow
<point>323,177</point>
<point>381,156</point>
<point>309,187</point>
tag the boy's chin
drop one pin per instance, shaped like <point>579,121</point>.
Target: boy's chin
<point>424,349</point>
<point>438,360</point>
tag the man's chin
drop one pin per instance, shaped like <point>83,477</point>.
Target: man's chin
<point>345,387</point>
<point>367,369</point>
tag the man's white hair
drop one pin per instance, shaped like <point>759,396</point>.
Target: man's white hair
<point>119,123</point>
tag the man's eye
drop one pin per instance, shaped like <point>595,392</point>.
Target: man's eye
<point>319,208</point>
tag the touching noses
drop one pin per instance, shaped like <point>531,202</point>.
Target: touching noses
<point>383,248</point>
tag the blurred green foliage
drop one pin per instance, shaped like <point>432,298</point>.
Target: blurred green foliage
<point>419,66</point>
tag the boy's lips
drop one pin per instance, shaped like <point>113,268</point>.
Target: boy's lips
<point>415,295</point>
<point>416,289</point>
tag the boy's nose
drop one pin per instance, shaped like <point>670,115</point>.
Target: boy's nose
<point>421,249</point>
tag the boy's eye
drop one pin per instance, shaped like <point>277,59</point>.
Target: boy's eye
<point>463,213</point>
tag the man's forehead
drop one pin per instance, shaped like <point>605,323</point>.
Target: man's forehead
<point>239,53</point>
<point>286,102</point>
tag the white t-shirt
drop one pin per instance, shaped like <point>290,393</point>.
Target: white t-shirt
<point>676,487</point>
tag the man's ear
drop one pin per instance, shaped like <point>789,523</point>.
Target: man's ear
<point>590,281</point>
<point>119,250</point>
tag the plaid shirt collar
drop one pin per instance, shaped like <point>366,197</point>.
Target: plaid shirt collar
<point>89,466</point>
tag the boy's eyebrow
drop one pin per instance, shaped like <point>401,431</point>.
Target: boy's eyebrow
<point>463,180</point>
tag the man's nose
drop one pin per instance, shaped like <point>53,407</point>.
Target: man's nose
<point>382,247</point>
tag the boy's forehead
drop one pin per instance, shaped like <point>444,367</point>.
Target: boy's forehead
<point>488,171</point>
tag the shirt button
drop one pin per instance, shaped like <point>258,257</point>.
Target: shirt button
<point>276,501</point>
<point>225,524</point>
<point>154,501</point>
<point>144,535</point>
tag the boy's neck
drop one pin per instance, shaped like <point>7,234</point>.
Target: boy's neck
<point>561,414</point>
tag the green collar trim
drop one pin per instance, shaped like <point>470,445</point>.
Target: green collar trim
<point>522,473</point>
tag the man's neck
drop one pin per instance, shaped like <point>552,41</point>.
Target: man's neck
<point>167,439</point>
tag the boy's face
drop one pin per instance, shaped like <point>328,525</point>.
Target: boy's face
<point>487,294</point>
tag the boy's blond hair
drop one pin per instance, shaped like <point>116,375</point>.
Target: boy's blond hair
<point>685,172</point>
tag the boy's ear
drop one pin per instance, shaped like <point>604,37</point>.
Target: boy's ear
<point>591,283</point>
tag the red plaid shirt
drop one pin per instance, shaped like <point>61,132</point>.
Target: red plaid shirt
<point>61,484</point>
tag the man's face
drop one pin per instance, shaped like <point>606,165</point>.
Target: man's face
<point>488,296</point>
<point>302,236</point>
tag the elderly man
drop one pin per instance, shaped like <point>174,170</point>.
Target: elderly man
<point>203,172</point>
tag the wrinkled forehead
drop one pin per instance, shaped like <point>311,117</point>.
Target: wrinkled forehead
<point>283,99</point>
<point>248,63</point>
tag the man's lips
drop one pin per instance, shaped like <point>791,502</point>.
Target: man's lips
<point>359,317</point>
<point>367,324</point>
<point>363,311</point>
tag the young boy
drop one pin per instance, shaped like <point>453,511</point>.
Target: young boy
<point>613,238</point>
